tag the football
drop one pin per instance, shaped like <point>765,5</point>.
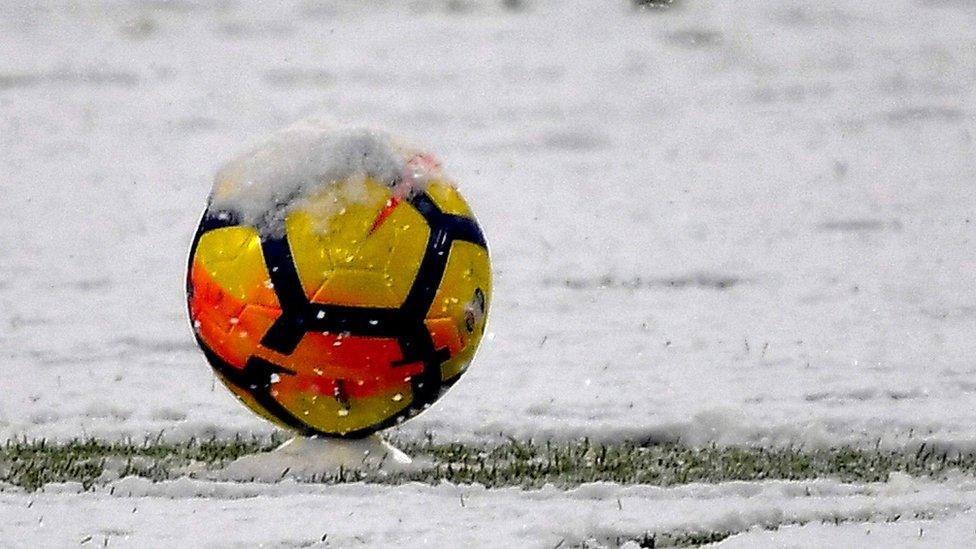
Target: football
<point>338,283</point>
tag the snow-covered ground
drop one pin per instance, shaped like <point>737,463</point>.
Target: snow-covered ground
<point>136,512</point>
<point>732,222</point>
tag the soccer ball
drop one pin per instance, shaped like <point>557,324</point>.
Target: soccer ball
<point>338,282</point>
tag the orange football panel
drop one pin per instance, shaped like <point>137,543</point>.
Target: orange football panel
<point>365,364</point>
<point>231,328</point>
<point>210,301</point>
<point>445,334</point>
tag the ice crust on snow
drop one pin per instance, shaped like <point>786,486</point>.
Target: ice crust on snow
<point>262,185</point>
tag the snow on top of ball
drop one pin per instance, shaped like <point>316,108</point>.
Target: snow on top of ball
<point>262,185</point>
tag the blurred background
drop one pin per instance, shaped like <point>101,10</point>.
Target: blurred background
<point>710,221</point>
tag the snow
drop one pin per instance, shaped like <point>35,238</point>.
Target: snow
<point>740,225</point>
<point>743,222</point>
<point>294,164</point>
<point>307,459</point>
<point>135,512</point>
<point>957,531</point>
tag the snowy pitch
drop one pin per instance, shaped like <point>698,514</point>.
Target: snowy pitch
<point>722,222</point>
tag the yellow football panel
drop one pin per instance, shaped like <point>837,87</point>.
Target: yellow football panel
<point>249,401</point>
<point>357,289</point>
<point>355,239</point>
<point>328,228</point>
<point>458,363</point>
<point>232,257</point>
<point>409,232</point>
<point>327,414</point>
<point>467,270</point>
<point>399,240</point>
<point>347,229</point>
<point>309,251</point>
<point>447,333</point>
<point>448,199</point>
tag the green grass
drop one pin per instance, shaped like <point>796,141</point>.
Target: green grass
<point>532,465</point>
<point>31,464</point>
<point>678,539</point>
<point>653,4</point>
